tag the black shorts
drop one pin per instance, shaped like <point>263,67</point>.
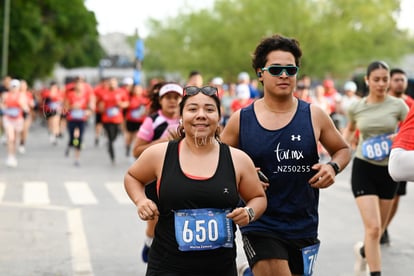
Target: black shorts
<point>133,126</point>
<point>402,188</point>
<point>260,246</point>
<point>370,179</point>
<point>98,118</point>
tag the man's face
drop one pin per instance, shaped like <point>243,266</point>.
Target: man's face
<point>398,83</point>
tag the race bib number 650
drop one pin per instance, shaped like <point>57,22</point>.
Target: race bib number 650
<point>203,229</point>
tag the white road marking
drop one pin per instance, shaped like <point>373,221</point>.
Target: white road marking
<point>35,192</point>
<point>81,263</point>
<point>80,193</point>
<point>118,191</point>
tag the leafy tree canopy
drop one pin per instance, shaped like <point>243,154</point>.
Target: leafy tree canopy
<point>46,32</point>
<point>336,36</point>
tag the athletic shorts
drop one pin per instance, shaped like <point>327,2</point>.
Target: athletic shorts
<point>260,246</point>
<point>133,126</point>
<point>98,118</point>
<point>402,188</point>
<point>15,124</point>
<point>370,179</point>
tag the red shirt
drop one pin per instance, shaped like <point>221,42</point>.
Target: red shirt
<point>12,110</point>
<point>137,109</point>
<point>78,105</point>
<point>112,113</point>
<point>405,136</point>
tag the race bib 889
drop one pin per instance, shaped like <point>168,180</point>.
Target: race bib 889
<point>377,148</point>
<point>203,229</point>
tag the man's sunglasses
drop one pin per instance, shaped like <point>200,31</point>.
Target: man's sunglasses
<point>206,90</point>
<point>277,70</point>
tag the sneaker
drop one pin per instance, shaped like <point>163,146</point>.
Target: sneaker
<point>76,163</point>
<point>385,238</point>
<point>22,149</point>
<point>245,270</point>
<point>52,139</point>
<point>145,252</point>
<point>360,266</point>
<point>11,161</point>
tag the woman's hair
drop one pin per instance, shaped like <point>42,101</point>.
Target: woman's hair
<point>377,65</point>
<point>153,96</point>
<point>274,43</point>
<point>216,99</point>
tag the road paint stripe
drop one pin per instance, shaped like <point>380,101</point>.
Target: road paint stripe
<point>2,190</point>
<point>80,256</point>
<point>35,192</point>
<point>117,190</point>
<point>80,193</point>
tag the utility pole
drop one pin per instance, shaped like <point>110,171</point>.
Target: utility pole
<point>6,29</point>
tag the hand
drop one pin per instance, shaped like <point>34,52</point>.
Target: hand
<point>324,178</point>
<point>239,216</point>
<point>147,209</point>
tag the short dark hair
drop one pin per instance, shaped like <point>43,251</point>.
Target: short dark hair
<point>397,71</point>
<point>274,43</point>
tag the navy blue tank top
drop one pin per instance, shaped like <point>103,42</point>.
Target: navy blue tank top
<point>286,156</point>
<point>177,191</point>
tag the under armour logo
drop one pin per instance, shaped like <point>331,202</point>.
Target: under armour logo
<point>295,137</point>
<point>226,191</point>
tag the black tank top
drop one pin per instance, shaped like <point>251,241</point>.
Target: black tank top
<point>177,191</point>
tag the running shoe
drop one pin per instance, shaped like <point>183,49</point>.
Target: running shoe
<point>360,266</point>
<point>22,149</point>
<point>145,252</point>
<point>385,238</point>
<point>11,161</point>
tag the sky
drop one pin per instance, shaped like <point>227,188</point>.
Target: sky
<point>126,16</point>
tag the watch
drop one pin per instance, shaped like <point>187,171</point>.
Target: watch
<point>335,166</point>
<point>250,212</point>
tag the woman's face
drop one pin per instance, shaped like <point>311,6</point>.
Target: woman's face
<point>200,116</point>
<point>170,104</point>
<point>378,82</point>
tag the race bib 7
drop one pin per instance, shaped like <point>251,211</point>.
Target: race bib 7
<point>309,255</point>
<point>203,229</point>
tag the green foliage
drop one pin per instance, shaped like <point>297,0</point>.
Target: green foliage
<point>46,32</point>
<point>336,36</point>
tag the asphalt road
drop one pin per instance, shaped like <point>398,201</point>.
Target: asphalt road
<point>57,219</point>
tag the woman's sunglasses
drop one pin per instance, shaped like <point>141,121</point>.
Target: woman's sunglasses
<point>206,90</point>
<point>277,70</point>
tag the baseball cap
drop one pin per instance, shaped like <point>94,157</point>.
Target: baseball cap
<point>171,87</point>
<point>243,76</point>
<point>128,81</point>
<point>14,83</point>
<point>217,81</point>
<point>350,86</point>
<point>243,91</point>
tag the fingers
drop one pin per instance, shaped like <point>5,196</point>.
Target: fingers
<point>239,216</point>
<point>148,210</point>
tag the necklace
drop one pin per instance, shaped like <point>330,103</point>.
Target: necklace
<point>279,111</point>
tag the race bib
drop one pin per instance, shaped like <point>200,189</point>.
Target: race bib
<point>309,255</point>
<point>138,112</point>
<point>377,148</point>
<point>203,229</point>
<point>54,105</point>
<point>12,111</point>
<point>112,111</point>
<point>77,113</point>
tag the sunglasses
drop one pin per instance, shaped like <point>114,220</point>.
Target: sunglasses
<point>277,70</point>
<point>206,90</point>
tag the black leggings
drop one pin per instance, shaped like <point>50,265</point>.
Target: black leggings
<point>112,131</point>
<point>72,126</point>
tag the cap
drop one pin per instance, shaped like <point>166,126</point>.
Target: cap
<point>350,86</point>
<point>171,87</point>
<point>128,81</point>
<point>243,76</point>
<point>217,81</point>
<point>242,91</point>
<point>14,83</point>
<point>328,83</point>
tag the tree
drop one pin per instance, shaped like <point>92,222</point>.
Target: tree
<point>336,36</point>
<point>46,32</point>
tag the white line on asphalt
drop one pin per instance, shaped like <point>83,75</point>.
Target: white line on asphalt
<point>80,193</point>
<point>81,263</point>
<point>35,192</point>
<point>118,191</point>
<point>2,189</point>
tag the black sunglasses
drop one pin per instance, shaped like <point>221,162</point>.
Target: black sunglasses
<point>277,70</point>
<point>206,90</point>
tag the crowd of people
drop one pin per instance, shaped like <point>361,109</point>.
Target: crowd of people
<point>215,136</point>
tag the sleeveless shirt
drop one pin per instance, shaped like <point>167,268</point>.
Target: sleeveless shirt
<point>177,191</point>
<point>285,156</point>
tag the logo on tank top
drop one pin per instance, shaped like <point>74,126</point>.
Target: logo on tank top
<point>288,154</point>
<point>295,138</point>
